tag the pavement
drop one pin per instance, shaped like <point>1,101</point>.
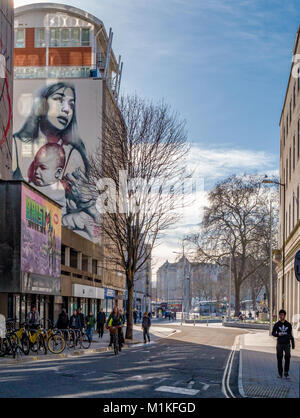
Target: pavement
<point>258,368</point>
<point>98,345</point>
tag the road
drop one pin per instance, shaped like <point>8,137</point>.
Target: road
<point>190,363</point>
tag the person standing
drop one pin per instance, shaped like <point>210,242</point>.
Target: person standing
<point>283,331</point>
<point>135,316</point>
<point>146,324</point>
<point>140,315</point>
<point>63,320</point>
<point>90,326</point>
<point>81,318</point>
<point>75,321</point>
<point>33,318</point>
<point>101,319</point>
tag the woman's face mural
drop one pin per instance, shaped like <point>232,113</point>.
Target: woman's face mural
<point>61,108</point>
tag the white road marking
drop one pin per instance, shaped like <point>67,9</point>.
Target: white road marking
<point>181,391</point>
<point>227,371</point>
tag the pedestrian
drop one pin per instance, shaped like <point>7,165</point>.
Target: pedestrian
<point>63,320</point>
<point>146,324</point>
<point>90,326</point>
<point>81,317</point>
<point>75,322</point>
<point>140,315</point>
<point>284,333</point>
<point>101,319</point>
<point>150,314</point>
<point>33,318</point>
<point>134,316</point>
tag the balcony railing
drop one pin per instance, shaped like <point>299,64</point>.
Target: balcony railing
<point>52,72</point>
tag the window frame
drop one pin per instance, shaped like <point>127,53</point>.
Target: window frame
<point>36,30</point>
<point>15,39</point>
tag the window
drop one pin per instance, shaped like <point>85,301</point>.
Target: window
<point>54,37</point>
<point>297,203</point>
<point>20,38</point>
<point>298,150</point>
<point>40,38</point>
<point>294,152</point>
<point>75,37</point>
<point>85,37</point>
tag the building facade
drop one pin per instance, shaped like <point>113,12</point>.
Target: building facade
<point>6,86</point>
<point>66,76</point>
<point>288,288</point>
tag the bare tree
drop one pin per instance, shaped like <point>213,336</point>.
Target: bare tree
<point>236,225</point>
<point>138,173</point>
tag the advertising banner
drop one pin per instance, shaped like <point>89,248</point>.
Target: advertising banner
<point>40,234</point>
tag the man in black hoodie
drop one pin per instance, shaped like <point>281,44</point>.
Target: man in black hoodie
<point>284,333</point>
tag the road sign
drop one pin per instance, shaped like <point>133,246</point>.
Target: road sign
<point>297,265</point>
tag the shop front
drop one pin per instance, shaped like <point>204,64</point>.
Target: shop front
<point>110,295</point>
<point>30,251</point>
<point>89,298</point>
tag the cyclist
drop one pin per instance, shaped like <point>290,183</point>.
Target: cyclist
<point>114,320</point>
<point>75,322</point>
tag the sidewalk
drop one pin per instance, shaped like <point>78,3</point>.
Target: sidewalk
<point>98,345</point>
<point>258,368</point>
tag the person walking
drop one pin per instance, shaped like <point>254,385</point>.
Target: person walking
<point>63,320</point>
<point>135,316</point>
<point>101,319</point>
<point>283,331</point>
<point>140,315</point>
<point>90,326</point>
<point>146,324</point>
<point>33,318</point>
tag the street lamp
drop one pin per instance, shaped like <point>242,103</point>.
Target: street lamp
<point>268,181</point>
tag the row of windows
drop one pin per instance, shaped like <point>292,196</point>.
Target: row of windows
<point>290,162</point>
<point>292,215</point>
<point>61,37</point>
<point>292,105</point>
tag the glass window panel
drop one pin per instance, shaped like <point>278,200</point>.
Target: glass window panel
<point>85,37</point>
<point>20,38</point>
<point>54,37</point>
<point>75,36</point>
<point>65,35</point>
<point>40,38</point>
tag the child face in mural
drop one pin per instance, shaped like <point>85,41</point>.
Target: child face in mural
<point>47,166</point>
<point>61,108</point>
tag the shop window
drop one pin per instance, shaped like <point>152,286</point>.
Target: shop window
<point>40,38</point>
<point>85,37</point>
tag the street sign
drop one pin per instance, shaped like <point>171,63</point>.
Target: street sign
<point>297,265</point>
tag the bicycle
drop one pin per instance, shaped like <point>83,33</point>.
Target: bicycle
<point>55,341</point>
<point>79,336</point>
<point>115,334</point>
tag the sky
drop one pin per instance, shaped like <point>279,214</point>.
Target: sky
<point>222,64</point>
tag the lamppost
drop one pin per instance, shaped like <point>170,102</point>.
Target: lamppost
<point>268,181</point>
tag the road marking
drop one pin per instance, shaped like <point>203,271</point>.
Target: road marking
<point>191,384</point>
<point>227,372</point>
<point>181,391</point>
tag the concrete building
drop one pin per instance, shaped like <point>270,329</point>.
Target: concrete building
<point>288,288</point>
<point>66,77</point>
<point>143,288</point>
<point>6,86</point>
<point>181,282</point>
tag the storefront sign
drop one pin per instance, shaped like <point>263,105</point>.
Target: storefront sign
<point>109,293</point>
<point>33,283</point>
<point>90,292</point>
<point>40,234</point>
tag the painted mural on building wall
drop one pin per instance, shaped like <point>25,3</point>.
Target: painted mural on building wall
<point>6,80</point>
<point>50,153</point>
<point>40,234</point>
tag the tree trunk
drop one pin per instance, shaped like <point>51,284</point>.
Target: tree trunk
<point>237,305</point>
<point>130,286</point>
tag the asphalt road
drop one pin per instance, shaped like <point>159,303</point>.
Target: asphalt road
<point>193,359</point>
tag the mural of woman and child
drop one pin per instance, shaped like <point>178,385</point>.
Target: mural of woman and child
<point>51,156</point>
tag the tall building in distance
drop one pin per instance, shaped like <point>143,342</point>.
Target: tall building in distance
<point>66,78</point>
<point>6,86</point>
<point>288,288</point>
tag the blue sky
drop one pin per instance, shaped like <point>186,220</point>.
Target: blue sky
<point>222,64</point>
